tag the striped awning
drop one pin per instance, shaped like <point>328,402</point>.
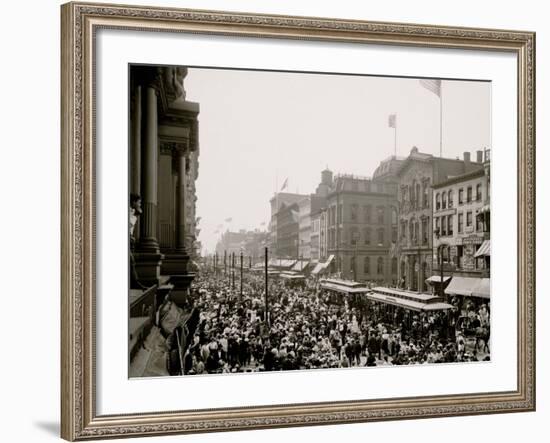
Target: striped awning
<point>484,249</point>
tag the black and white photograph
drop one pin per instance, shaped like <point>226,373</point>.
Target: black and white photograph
<point>285,221</point>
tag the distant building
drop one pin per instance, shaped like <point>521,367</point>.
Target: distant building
<point>288,230</point>
<point>417,174</point>
<point>278,201</point>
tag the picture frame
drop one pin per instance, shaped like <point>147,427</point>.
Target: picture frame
<point>80,24</point>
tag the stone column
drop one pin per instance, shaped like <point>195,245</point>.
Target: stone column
<point>149,172</point>
<point>148,256</point>
<point>180,203</point>
<point>175,263</point>
<point>135,173</point>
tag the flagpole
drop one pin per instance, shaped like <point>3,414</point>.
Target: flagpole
<point>395,139</point>
<point>441,119</point>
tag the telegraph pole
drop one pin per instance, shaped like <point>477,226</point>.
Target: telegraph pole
<point>266,290</point>
<point>232,270</point>
<point>241,274</point>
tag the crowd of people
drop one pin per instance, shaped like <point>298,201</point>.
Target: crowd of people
<point>306,328</point>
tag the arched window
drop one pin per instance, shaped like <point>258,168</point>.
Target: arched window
<point>444,200</point>
<point>417,195</point>
<point>450,195</point>
<point>394,265</point>
<point>437,201</point>
<point>380,266</point>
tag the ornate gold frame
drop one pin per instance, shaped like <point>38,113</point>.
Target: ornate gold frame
<point>79,420</point>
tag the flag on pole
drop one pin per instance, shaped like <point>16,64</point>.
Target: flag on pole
<point>432,85</point>
<point>285,184</point>
<point>229,220</point>
<point>392,121</point>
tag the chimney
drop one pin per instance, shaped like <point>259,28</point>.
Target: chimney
<point>467,159</point>
<point>479,155</point>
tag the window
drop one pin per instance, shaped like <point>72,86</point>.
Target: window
<point>443,225</point>
<point>469,218</point>
<point>368,211</point>
<point>354,236</point>
<point>437,231</point>
<point>353,214</point>
<point>366,265</point>
<point>417,196</point>
<point>380,266</point>
<point>450,224</point>
<point>394,234</point>
<point>460,223</point>
<point>469,194</point>
<point>424,231</point>
<point>425,203</point>
<point>411,232</point>
<point>437,201</point>
<point>478,192</point>
<point>444,200</point>
<point>380,211</point>
<point>394,265</point>
<point>380,236</point>
<point>460,196</point>
<point>367,236</point>
<point>450,198</point>
<point>340,212</point>
<point>479,222</point>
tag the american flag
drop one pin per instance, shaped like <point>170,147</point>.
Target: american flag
<point>392,121</point>
<point>432,85</point>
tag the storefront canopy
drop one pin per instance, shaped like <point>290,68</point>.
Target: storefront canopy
<point>483,288</point>
<point>320,267</point>
<point>484,249</point>
<point>469,287</point>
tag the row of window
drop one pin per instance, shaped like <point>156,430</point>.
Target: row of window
<point>367,266</point>
<point>357,237</point>
<point>416,195</point>
<point>444,200</point>
<point>444,225</point>
<point>417,230</point>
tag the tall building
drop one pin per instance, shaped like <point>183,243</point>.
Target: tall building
<point>288,230</point>
<point>164,153</point>
<point>417,175</point>
<point>278,201</point>
<point>462,221</point>
<point>361,222</point>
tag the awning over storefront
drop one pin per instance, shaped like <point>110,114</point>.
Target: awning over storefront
<point>320,267</point>
<point>470,287</point>
<point>483,288</point>
<point>484,249</point>
<point>300,265</point>
<point>461,286</point>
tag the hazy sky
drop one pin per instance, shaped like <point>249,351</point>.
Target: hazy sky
<point>258,128</point>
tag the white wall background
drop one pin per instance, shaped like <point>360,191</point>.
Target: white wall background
<point>29,220</point>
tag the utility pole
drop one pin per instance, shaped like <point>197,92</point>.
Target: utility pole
<point>241,274</point>
<point>233,270</point>
<point>266,291</point>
